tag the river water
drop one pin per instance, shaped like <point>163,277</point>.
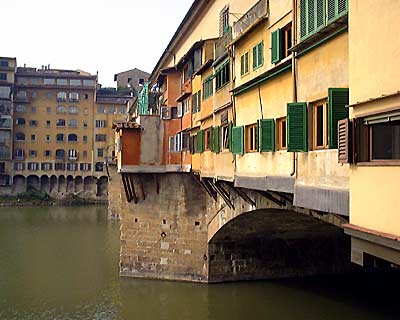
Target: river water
<point>62,263</point>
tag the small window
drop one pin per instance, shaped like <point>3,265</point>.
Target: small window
<point>258,55</point>
<point>100,123</point>
<point>281,133</point>
<point>207,139</point>
<point>61,109</point>
<point>100,137</point>
<point>60,122</point>
<point>47,153</point>
<point>33,137</point>
<point>19,136</point>
<point>286,40</point>
<point>33,109</point>
<point>208,88</point>
<point>85,124</point>
<point>73,110</point>
<point>101,109</point>
<point>3,76</point>
<point>60,137</point>
<point>73,96</point>
<point>84,154</point>
<point>251,138</point>
<point>49,95</point>
<point>225,137</point>
<point>84,139</point>
<point>100,152</point>
<point>222,76</point>
<point>48,122</point>
<point>32,153</point>
<point>72,137</point>
<point>48,110</point>
<point>33,123</point>
<point>3,63</point>
<point>320,125</point>
<point>385,141</point>
<point>224,21</point>
<point>72,123</point>
<point>61,96</point>
<point>60,154</point>
<point>47,138</point>
<point>62,82</point>
<point>20,108</point>
<point>20,121</point>
<point>244,64</point>
<point>99,166</point>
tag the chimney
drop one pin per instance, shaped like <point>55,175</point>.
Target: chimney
<point>48,66</point>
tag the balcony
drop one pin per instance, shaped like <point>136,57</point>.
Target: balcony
<point>19,157</point>
<point>257,12</point>
<point>186,90</point>
<point>72,158</point>
<point>5,123</point>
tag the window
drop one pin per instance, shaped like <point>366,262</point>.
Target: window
<point>111,110</point>
<point>100,152</point>
<point>281,42</point>
<point>3,76</point>
<point>19,166</point>
<point>19,154</point>
<point>3,63</point>
<point>224,21</point>
<point>5,92</point>
<point>32,153</point>
<point>316,14</point>
<point>320,125</point>
<point>33,109</point>
<point>33,94</point>
<point>84,154</point>
<point>5,136</point>
<point>46,166</point>
<point>72,123</point>
<point>73,96</point>
<point>33,166</point>
<point>84,139</point>
<point>60,154</point>
<point>207,139</point>
<point>122,110</point>
<point>237,145</point>
<point>59,137</point>
<point>85,166</point>
<point>61,109</point>
<point>48,122</point>
<point>88,83</point>
<point>73,110</point>
<point>47,153</point>
<point>72,154</point>
<point>281,133</point>
<point>33,123</point>
<point>20,121</point>
<point>62,82</point>
<point>72,137</point>
<point>49,95</point>
<point>61,96</point>
<point>196,102</point>
<point>49,81</point>
<point>48,110</point>
<point>100,123</point>
<point>75,82</point>
<point>86,96</point>
<point>99,166</point>
<point>33,137</point>
<point>85,124</point>
<point>251,138</point>
<point>19,136</point>
<point>100,137</point>
<point>72,166</point>
<point>4,152</point>
<point>225,137</point>
<point>60,122</point>
<point>258,55</point>
<point>208,88</point>
<point>244,64</point>
<point>385,141</point>
<point>20,108</point>
<point>174,112</point>
<point>222,75</point>
<point>85,111</point>
<point>59,166</point>
<point>101,109</point>
<point>186,106</point>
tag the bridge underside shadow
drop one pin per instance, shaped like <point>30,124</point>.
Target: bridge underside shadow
<point>273,243</point>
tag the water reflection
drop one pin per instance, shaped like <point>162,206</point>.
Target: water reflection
<point>62,263</point>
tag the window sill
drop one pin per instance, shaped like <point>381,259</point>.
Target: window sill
<point>379,163</point>
<point>258,67</point>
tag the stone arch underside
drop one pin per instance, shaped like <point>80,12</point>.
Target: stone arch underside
<point>274,243</point>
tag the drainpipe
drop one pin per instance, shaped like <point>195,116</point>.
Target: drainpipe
<point>294,74</point>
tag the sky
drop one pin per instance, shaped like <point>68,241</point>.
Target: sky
<point>108,36</point>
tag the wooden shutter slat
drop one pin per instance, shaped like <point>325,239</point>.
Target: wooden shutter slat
<point>237,140</point>
<point>267,135</point>
<point>217,139</point>
<point>275,46</point>
<point>344,141</point>
<point>338,99</point>
<point>200,141</point>
<point>296,123</point>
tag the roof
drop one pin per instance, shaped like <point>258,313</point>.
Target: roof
<point>131,70</point>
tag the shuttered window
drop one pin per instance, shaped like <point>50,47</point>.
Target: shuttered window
<point>237,144</point>
<point>244,64</point>
<point>344,141</point>
<point>338,99</point>
<point>266,135</point>
<point>200,141</point>
<point>216,141</point>
<point>316,14</point>
<point>296,127</point>
<point>276,46</point>
<point>258,55</point>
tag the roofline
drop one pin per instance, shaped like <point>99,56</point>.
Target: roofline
<point>196,6</point>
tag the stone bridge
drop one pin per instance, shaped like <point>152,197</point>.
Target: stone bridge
<point>179,226</point>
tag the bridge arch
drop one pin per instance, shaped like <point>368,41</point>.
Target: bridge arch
<point>276,243</point>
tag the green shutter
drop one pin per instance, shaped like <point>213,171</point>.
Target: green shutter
<point>260,53</point>
<point>216,139</point>
<point>200,141</point>
<point>311,16</point>
<point>242,65</point>
<point>267,135</point>
<point>237,140</point>
<point>254,57</point>
<point>275,46</point>
<point>303,18</point>
<point>296,127</point>
<point>198,101</point>
<point>338,99</point>
<point>319,14</point>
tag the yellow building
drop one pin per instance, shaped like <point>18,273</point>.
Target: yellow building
<point>374,153</point>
